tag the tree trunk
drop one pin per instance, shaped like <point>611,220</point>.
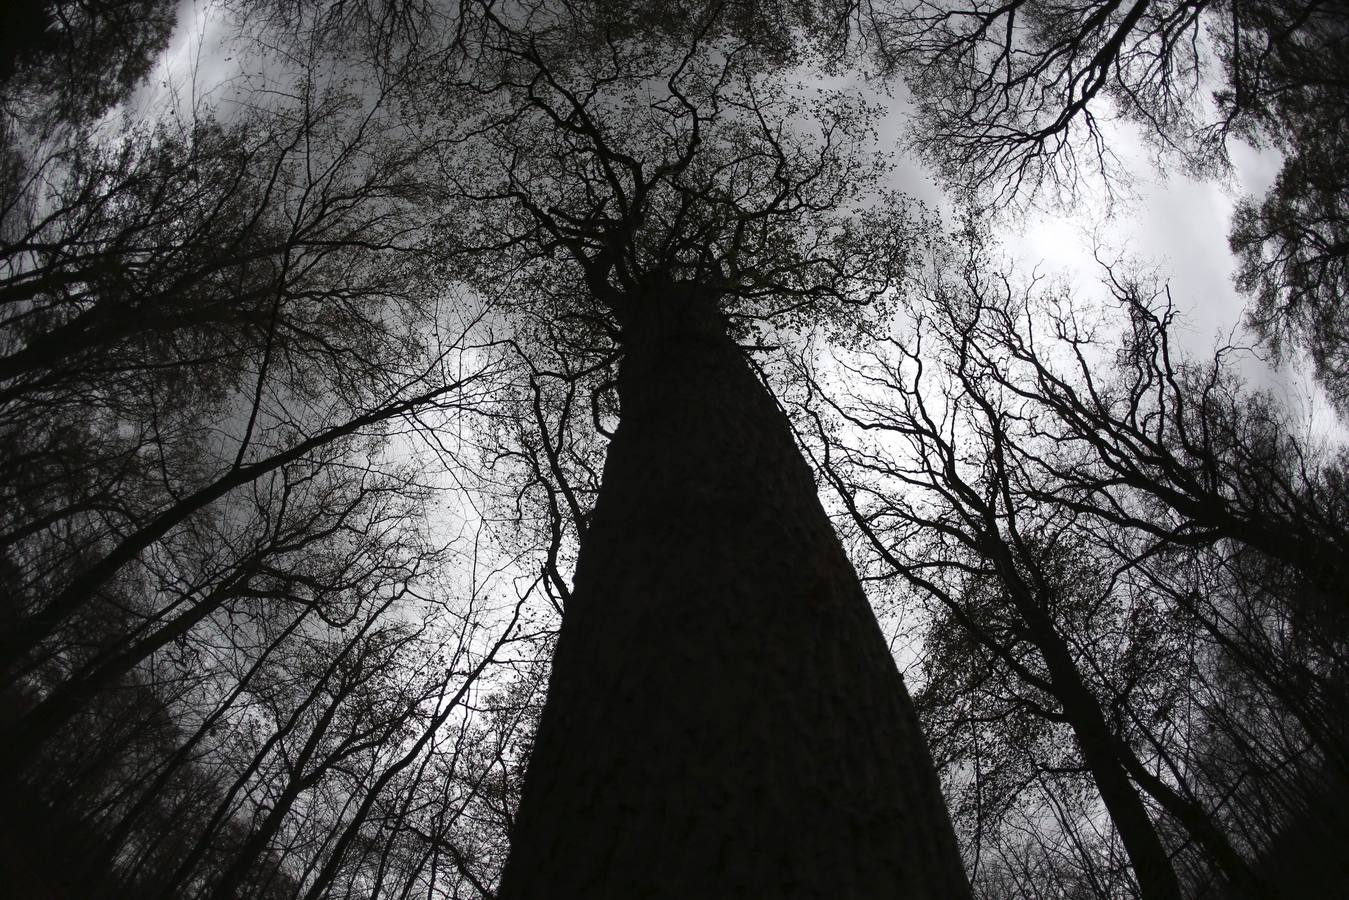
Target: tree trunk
<point>1109,757</point>
<point>724,718</point>
<point>1147,854</point>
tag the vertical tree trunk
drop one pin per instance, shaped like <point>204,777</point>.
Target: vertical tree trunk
<point>724,717</point>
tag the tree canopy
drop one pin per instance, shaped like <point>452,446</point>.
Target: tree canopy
<point>544,432</point>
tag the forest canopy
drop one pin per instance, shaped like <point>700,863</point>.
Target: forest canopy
<point>539,449</point>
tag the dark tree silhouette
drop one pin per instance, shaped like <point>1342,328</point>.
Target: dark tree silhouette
<point>229,665</point>
<point>1010,579</point>
<point>723,715</point>
<point>1293,247</point>
<point>65,63</point>
<point>453,338</point>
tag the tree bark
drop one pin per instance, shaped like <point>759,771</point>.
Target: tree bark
<point>724,717</point>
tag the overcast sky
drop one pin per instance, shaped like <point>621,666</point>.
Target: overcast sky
<point>1167,222</point>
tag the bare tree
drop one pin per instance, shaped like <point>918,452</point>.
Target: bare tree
<point>1014,99</point>
<point>231,650</point>
<point>1060,499</point>
<point>652,201</point>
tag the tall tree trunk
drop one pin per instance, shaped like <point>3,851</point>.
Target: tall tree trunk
<point>724,717</point>
<point>1147,854</point>
<point>1110,758</point>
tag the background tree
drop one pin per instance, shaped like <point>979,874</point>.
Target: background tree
<point>236,660</point>
<point>1014,99</point>
<point>1089,526</point>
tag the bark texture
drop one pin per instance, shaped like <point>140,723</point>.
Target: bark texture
<point>724,717</point>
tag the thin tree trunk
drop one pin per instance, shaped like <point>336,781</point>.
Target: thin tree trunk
<point>33,729</point>
<point>724,717</point>
<point>1151,862</point>
<point>1111,760</point>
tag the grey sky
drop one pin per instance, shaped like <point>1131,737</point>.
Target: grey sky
<point>1162,220</point>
